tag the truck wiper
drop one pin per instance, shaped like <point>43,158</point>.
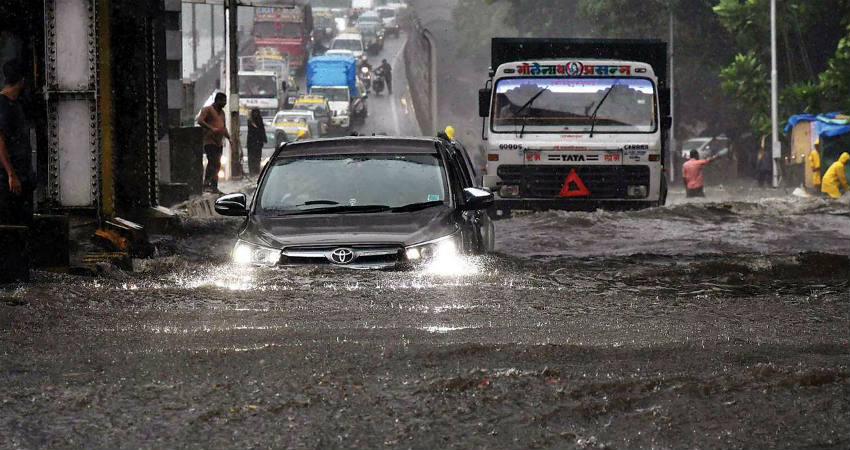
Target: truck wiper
<point>526,105</point>
<point>418,206</point>
<point>342,209</point>
<point>599,105</point>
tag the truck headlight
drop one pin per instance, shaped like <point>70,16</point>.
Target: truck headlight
<point>509,190</point>
<point>444,247</point>
<point>639,191</point>
<point>245,253</point>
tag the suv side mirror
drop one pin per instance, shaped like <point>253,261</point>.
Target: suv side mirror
<point>484,102</point>
<point>232,205</point>
<point>476,199</point>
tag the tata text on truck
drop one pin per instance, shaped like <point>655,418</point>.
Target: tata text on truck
<point>286,27</point>
<point>576,124</point>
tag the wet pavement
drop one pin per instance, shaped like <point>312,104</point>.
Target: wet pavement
<point>698,325</point>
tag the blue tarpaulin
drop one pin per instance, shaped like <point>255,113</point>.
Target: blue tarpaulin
<point>824,124</point>
<point>332,70</point>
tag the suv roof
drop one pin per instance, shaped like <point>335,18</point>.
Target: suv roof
<point>359,145</point>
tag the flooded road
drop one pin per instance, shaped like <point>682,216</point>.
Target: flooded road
<point>711,325</point>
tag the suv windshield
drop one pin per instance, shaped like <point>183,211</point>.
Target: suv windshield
<point>567,104</point>
<point>296,184</point>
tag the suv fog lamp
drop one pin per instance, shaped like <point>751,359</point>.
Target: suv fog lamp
<point>636,191</point>
<point>509,190</point>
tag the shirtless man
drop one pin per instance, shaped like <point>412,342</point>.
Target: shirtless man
<point>215,130</point>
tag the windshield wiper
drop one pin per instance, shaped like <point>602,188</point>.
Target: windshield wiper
<point>318,202</point>
<point>343,209</point>
<point>526,105</point>
<point>599,105</point>
<point>418,206</point>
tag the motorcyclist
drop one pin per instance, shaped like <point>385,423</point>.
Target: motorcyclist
<point>386,71</point>
<point>366,76</point>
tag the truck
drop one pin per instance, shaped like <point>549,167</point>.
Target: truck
<point>285,29</point>
<point>576,124</point>
<point>335,78</point>
<point>259,90</point>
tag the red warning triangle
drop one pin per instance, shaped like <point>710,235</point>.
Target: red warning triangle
<point>573,186</point>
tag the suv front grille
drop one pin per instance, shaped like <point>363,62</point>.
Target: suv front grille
<point>364,255</point>
<point>545,181</point>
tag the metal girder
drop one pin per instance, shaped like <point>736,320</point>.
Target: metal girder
<point>71,93</point>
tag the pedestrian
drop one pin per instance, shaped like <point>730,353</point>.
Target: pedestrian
<point>764,168</point>
<point>215,130</point>
<point>692,174</point>
<point>835,178</point>
<point>814,164</point>
<point>256,139</point>
<point>16,179</point>
<point>386,71</point>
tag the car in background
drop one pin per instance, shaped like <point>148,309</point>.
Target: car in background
<point>390,18</point>
<point>351,42</point>
<point>320,108</point>
<point>706,146</point>
<point>363,202</point>
<point>324,25</point>
<point>371,28</point>
<point>291,125</point>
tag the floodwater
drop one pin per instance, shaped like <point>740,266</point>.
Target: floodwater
<point>713,324</point>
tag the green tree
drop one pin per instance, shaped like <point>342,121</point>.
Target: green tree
<point>811,80</point>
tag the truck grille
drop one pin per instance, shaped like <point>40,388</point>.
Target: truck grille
<point>545,181</point>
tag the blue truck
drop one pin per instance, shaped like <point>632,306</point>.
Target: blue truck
<point>335,78</point>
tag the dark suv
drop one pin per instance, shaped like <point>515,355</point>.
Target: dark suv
<point>365,202</point>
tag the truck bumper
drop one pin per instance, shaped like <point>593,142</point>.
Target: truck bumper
<point>504,204</point>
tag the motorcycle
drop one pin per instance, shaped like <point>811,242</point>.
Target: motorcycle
<point>378,82</point>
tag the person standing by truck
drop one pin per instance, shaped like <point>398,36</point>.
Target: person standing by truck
<point>692,174</point>
<point>215,130</point>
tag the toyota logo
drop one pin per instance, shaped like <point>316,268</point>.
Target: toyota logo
<point>341,256</point>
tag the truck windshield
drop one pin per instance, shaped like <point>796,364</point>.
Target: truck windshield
<point>299,184</point>
<point>257,86</point>
<point>332,94</point>
<point>567,104</point>
<point>277,30</point>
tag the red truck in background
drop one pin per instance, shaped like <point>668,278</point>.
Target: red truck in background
<point>285,29</point>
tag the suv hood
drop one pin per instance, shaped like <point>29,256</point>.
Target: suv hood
<point>405,228</point>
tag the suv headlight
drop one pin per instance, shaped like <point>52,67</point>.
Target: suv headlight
<point>245,253</point>
<point>444,247</point>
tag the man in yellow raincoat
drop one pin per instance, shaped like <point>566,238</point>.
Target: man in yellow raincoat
<point>835,180</point>
<point>814,164</point>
